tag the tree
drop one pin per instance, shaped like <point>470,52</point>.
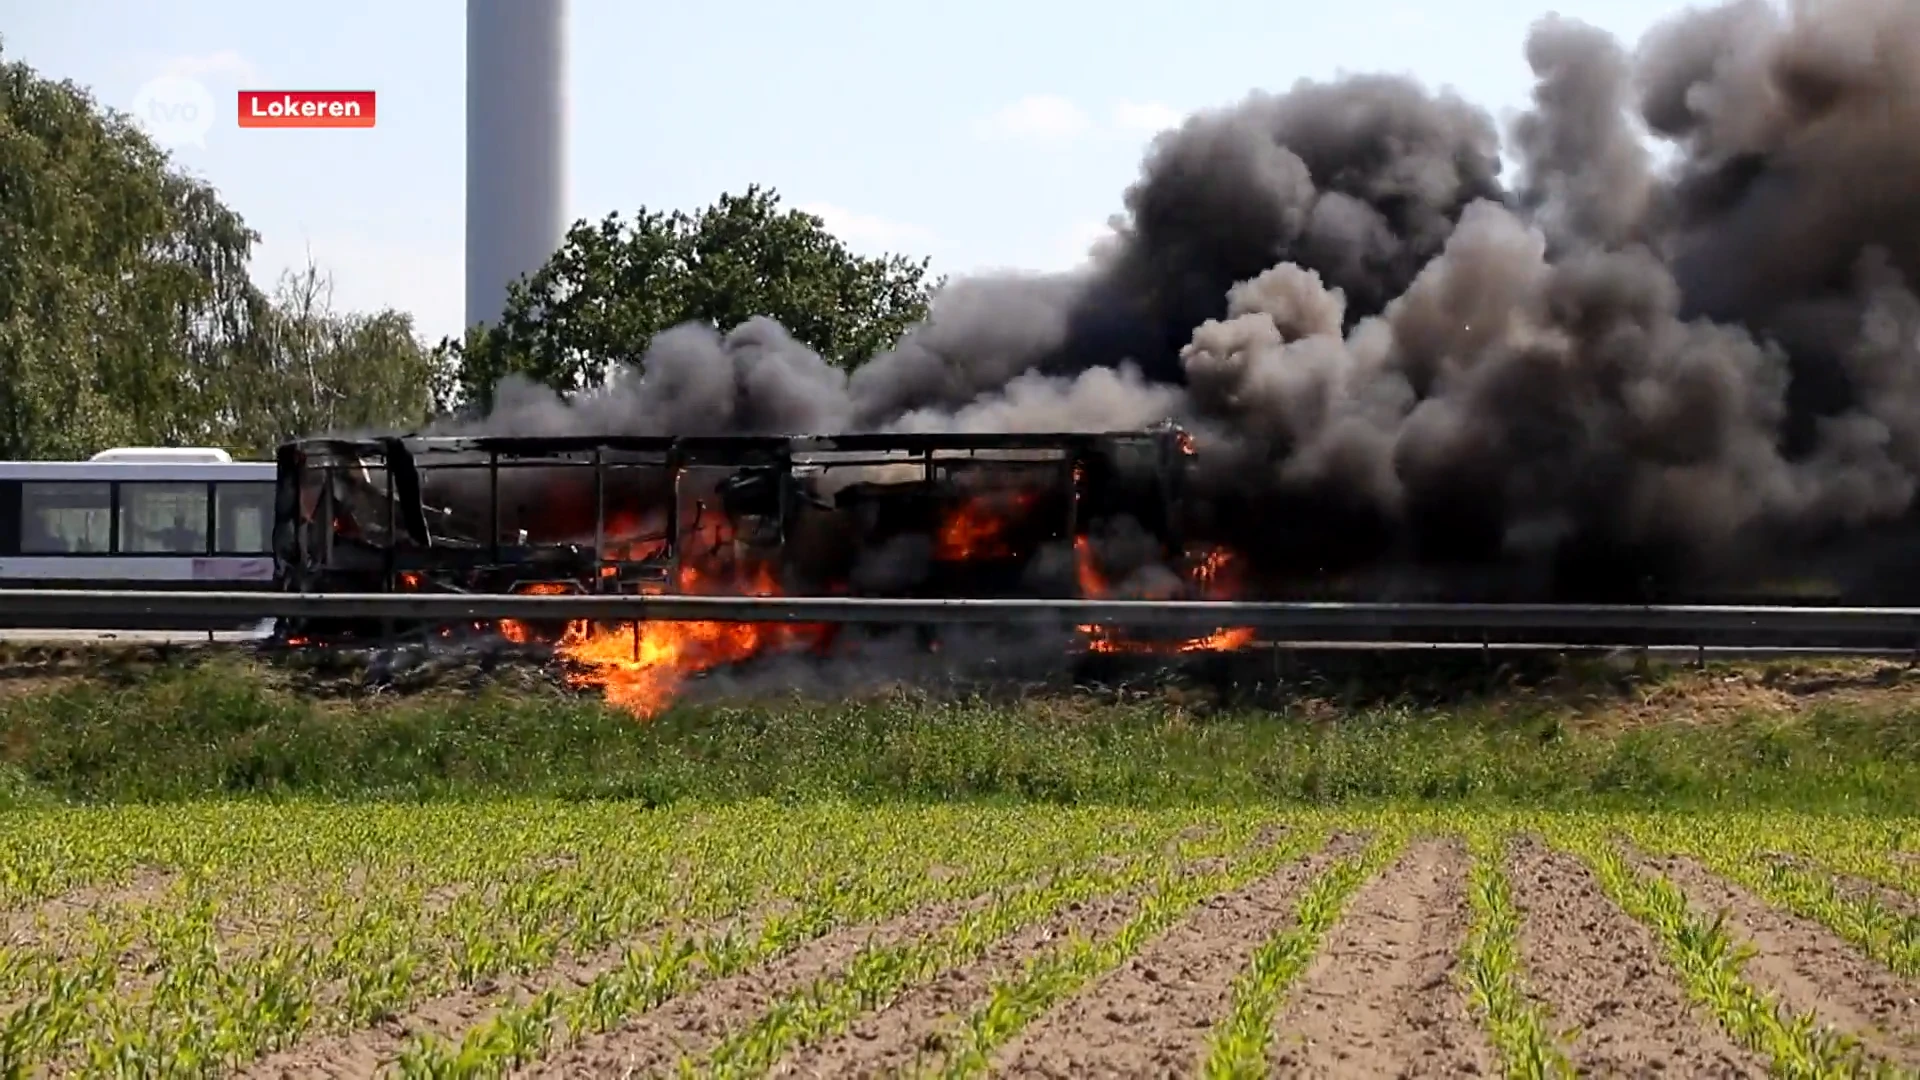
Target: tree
<point>122,283</point>
<point>612,285</point>
<point>127,314</point>
<point>312,370</point>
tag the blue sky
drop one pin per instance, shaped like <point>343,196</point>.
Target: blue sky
<point>989,134</point>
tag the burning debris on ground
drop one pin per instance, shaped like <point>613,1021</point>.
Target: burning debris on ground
<point>1394,374</point>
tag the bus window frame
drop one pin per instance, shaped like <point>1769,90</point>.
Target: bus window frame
<point>117,506</point>
<point>266,522</point>
<point>120,507</point>
<point>22,483</point>
<point>113,515</point>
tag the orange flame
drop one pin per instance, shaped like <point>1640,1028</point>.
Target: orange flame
<point>518,632</point>
<point>641,666</point>
<point>976,530</point>
<point>1209,573</point>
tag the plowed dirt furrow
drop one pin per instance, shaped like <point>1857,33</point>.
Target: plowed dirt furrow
<point>1601,973</point>
<point>907,1030</point>
<point>47,918</point>
<point>1151,1016</point>
<point>694,1023</point>
<point>1381,998</point>
<point>1809,966</point>
<point>1855,887</point>
<point>365,1051</point>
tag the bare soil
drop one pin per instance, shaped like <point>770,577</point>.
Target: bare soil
<point>1601,974</point>
<point>367,1051</point>
<point>1855,887</point>
<point>1810,967</point>
<point>693,1024</point>
<point>1152,1015</point>
<point>1381,997</point>
<point>26,926</point>
<point>1616,698</point>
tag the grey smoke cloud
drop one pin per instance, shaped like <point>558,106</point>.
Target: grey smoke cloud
<point>1394,355</point>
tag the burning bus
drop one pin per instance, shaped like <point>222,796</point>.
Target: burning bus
<point>904,515</point>
<point>810,514</point>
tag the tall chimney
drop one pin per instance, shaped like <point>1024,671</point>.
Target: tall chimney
<point>516,145</point>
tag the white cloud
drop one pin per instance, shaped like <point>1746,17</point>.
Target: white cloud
<point>1146,117</point>
<point>1041,116</point>
<point>867,231</point>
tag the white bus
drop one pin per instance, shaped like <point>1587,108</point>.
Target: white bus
<point>137,518</point>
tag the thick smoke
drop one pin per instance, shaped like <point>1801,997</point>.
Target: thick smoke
<point>1620,366</point>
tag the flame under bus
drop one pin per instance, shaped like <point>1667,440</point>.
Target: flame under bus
<point>882,515</point>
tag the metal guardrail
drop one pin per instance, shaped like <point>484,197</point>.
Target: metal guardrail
<point>1751,624</point>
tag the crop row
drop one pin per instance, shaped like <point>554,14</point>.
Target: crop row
<point>194,941</point>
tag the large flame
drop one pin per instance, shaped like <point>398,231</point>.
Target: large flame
<point>641,666</point>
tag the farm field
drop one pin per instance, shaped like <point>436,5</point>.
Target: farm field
<point>535,938</point>
<point>211,865</point>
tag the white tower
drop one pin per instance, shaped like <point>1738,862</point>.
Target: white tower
<point>516,145</point>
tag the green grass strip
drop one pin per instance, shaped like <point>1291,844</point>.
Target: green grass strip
<point>1238,1045</point>
<point>1710,962</point>
<point>1491,968</point>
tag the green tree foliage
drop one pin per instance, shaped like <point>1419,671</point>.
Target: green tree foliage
<point>315,370</point>
<point>127,316</point>
<point>614,284</point>
<point>122,283</point>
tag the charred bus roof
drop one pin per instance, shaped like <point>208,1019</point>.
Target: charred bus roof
<point>718,449</point>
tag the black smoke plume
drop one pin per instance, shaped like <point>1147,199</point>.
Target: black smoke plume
<point>1619,368</point>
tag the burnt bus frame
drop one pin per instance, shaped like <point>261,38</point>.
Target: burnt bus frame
<point>404,459</point>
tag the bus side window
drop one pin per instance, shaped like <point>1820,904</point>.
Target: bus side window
<point>66,518</point>
<point>245,517</point>
<point>163,518</point>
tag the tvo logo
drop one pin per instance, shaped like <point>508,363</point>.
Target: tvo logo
<point>175,111</point>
